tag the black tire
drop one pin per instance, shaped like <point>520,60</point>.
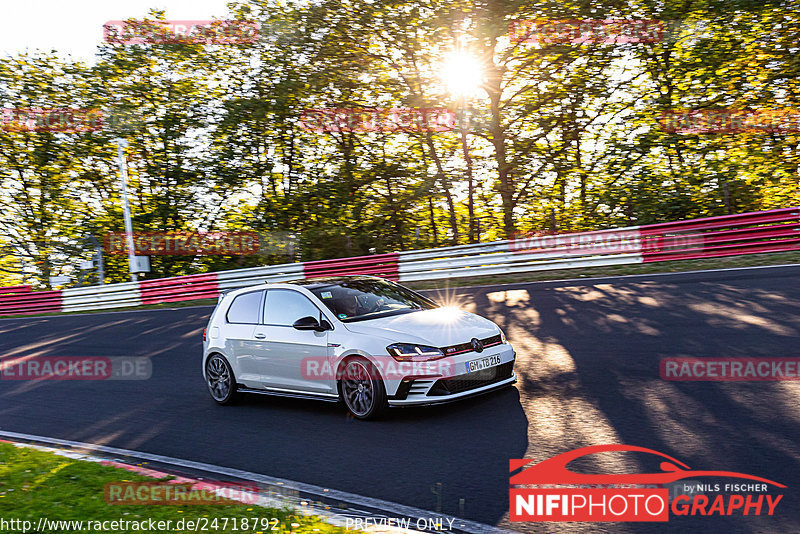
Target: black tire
<point>361,389</point>
<point>220,380</point>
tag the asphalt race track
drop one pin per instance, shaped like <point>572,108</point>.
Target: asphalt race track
<point>588,356</point>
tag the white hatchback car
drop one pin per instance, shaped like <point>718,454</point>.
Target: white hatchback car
<point>362,340</point>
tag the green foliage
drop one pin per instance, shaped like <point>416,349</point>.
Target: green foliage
<point>38,484</point>
<point>557,129</point>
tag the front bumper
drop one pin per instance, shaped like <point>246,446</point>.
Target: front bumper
<point>424,401</point>
<point>419,390</point>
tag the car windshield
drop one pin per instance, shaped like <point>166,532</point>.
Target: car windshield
<point>358,300</point>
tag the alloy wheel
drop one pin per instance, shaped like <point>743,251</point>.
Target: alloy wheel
<point>357,388</point>
<point>219,378</point>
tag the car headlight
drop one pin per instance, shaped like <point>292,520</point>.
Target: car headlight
<point>410,352</point>
<point>502,336</point>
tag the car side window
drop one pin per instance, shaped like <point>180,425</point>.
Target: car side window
<point>283,307</point>
<point>244,308</point>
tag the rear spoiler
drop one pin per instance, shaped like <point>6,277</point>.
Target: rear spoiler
<point>223,293</point>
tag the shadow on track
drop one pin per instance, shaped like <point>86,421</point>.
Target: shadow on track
<point>588,363</point>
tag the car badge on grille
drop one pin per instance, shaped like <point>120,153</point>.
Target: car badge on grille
<point>477,346</point>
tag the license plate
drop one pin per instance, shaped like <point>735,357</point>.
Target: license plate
<point>482,363</point>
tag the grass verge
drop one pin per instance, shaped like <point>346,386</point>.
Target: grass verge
<point>36,484</point>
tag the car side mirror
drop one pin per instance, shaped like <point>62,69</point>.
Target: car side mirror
<point>308,323</point>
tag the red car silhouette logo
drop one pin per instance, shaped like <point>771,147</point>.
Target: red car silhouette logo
<point>554,470</point>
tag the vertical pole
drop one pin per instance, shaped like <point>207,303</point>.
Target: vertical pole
<point>433,222</point>
<point>101,272</point>
<point>126,211</point>
<point>468,162</point>
<point>726,191</point>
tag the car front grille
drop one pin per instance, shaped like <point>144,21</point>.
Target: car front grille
<point>473,380</point>
<point>461,348</point>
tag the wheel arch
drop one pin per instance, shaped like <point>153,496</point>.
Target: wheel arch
<point>342,361</point>
<point>215,353</point>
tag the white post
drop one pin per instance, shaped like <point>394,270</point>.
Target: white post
<point>126,211</point>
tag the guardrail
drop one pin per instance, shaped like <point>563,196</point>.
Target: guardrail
<point>747,233</point>
<point>524,253</point>
<point>258,275</point>
<point>101,297</point>
<point>15,290</point>
<point>180,288</point>
<point>16,300</point>
<point>729,235</point>
<point>384,265</point>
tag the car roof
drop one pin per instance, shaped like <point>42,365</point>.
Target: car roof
<point>315,283</point>
<point>310,283</point>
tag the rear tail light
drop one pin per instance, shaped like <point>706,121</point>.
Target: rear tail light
<point>204,333</point>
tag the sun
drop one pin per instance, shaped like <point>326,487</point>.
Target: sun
<point>462,74</point>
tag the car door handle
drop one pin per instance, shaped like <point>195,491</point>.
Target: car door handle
<point>261,336</point>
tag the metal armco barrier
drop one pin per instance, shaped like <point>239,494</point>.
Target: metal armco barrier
<point>180,288</point>
<point>20,300</point>
<point>259,275</point>
<point>729,235</point>
<point>9,290</point>
<point>101,297</point>
<point>384,265</point>
<point>711,237</point>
